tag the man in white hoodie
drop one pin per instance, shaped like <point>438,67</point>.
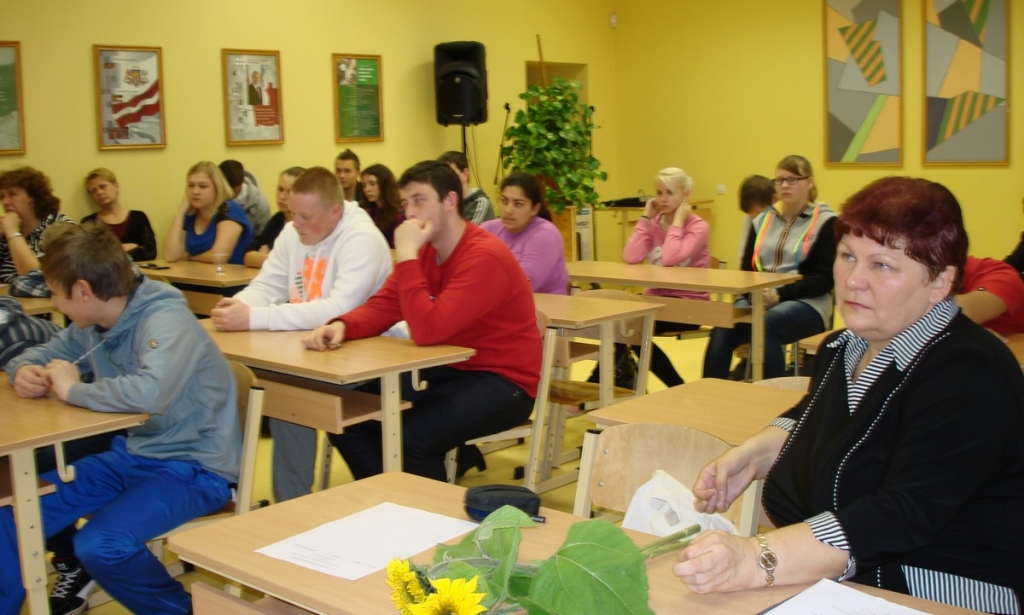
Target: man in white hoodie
<point>330,259</point>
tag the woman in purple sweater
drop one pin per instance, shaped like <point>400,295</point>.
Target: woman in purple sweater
<point>525,227</point>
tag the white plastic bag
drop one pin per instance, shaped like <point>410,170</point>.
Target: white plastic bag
<point>663,505</point>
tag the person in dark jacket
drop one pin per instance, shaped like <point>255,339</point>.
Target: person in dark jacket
<point>903,466</point>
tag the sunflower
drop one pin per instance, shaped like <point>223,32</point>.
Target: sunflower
<point>405,587</point>
<point>453,597</point>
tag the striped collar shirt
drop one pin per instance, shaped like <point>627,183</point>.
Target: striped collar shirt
<point>902,349</point>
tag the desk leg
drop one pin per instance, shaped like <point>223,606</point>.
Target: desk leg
<point>607,356</point>
<point>29,525</point>
<point>581,507</point>
<point>391,421</point>
<point>645,355</point>
<point>757,336</point>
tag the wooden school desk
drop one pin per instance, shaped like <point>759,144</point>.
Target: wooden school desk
<point>195,273</point>
<point>290,374</point>
<point>201,274</point>
<point>573,313</point>
<point>29,424</point>
<point>716,313</point>
<point>228,548</point>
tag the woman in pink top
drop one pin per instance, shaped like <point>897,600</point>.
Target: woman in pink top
<point>669,234</point>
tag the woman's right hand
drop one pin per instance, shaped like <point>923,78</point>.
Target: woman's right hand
<point>723,480</point>
<point>651,208</point>
<point>185,209</point>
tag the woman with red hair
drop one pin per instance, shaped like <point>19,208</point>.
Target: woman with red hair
<point>903,466</point>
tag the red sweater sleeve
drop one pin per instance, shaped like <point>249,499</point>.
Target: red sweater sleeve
<point>479,298</point>
<point>377,315</point>
<point>1003,281</point>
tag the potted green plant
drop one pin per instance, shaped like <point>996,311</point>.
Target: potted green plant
<point>551,138</point>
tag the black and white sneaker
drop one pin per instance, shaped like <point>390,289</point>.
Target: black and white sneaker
<point>70,594</point>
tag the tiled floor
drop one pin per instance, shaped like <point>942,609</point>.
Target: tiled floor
<point>687,356</point>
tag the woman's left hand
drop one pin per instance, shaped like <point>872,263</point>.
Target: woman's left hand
<point>719,562</point>
<point>771,298</point>
<point>682,212</point>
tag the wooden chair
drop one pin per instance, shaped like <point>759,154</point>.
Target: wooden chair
<point>250,411</point>
<point>208,600</point>
<point>626,456</point>
<point>536,428</point>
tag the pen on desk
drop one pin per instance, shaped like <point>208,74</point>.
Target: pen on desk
<point>333,346</point>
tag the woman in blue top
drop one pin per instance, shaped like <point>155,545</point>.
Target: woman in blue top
<point>208,223</point>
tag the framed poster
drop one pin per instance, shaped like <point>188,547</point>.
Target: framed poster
<point>966,72</point>
<point>358,98</point>
<point>129,97</point>
<point>253,102</point>
<point>863,83</point>
<point>12,116</point>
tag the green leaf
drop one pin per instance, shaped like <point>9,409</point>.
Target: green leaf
<point>519,584</point>
<point>499,536</point>
<point>552,137</point>
<point>598,569</point>
<point>532,608</point>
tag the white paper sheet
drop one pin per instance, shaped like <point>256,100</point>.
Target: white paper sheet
<point>830,598</point>
<point>360,544</point>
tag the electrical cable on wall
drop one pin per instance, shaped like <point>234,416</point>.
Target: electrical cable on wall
<point>501,144</point>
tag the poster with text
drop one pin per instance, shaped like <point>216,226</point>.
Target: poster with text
<point>12,123</point>
<point>253,102</point>
<point>358,98</point>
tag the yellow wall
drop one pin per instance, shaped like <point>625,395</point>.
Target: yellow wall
<point>57,36</point>
<point>726,89</point>
<point>723,89</point>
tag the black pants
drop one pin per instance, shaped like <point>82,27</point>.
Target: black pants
<point>46,461</point>
<point>661,365</point>
<point>456,406</point>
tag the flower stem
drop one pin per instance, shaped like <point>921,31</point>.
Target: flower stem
<point>669,543</point>
<point>665,548</point>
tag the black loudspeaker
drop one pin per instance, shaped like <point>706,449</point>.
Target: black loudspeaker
<point>460,83</point>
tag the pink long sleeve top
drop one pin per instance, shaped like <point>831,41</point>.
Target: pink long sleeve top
<point>680,246</point>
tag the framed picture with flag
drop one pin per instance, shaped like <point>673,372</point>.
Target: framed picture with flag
<point>253,105</point>
<point>129,97</point>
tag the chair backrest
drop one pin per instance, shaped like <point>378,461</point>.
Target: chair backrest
<point>795,383</point>
<point>627,456</point>
<point>629,331</point>
<point>250,413</point>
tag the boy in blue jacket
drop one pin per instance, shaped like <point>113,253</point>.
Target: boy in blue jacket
<point>134,347</point>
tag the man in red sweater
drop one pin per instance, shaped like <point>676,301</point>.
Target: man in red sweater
<point>992,295</point>
<point>453,284</point>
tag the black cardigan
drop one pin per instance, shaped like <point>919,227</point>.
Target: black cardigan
<point>138,231</point>
<point>929,471</point>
